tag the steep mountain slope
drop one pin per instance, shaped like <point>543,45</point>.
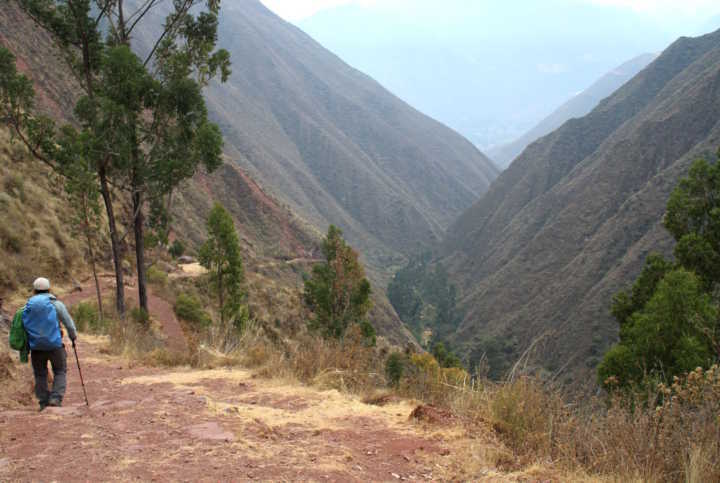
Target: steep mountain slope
<point>578,106</point>
<point>336,146</point>
<point>572,219</point>
<point>35,216</point>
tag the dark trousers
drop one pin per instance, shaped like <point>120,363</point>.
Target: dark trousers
<point>58,361</point>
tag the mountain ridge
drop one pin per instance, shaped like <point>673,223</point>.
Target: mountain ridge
<point>337,146</point>
<point>570,222</point>
<point>577,106</point>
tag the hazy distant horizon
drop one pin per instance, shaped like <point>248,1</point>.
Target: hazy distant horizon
<point>668,10</point>
<point>491,70</point>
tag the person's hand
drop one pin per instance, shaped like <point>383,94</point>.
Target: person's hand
<point>73,343</point>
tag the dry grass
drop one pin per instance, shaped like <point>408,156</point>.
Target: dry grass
<point>35,221</point>
<point>521,428</point>
<point>618,440</point>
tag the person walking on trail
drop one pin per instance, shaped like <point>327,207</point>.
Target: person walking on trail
<point>41,320</point>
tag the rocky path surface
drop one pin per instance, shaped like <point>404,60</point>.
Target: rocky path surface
<point>215,425</point>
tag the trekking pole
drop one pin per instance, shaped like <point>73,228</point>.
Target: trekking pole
<point>80,371</point>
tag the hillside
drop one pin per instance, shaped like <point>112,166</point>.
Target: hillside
<point>573,218</point>
<point>335,145</point>
<point>577,106</point>
<point>35,228</point>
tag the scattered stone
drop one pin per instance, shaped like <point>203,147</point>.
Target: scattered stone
<point>395,475</point>
<point>186,260</point>
<point>165,266</point>
<point>5,321</point>
<point>64,411</point>
<point>211,431</point>
<point>431,414</point>
<point>380,400</point>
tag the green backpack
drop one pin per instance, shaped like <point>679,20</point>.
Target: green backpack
<point>18,336</point>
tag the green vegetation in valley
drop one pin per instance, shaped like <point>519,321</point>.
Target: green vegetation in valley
<point>426,301</point>
<point>424,298</point>
<point>668,320</point>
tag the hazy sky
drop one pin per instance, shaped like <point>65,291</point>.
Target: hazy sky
<point>295,10</point>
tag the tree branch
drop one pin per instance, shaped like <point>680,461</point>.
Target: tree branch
<point>185,8</point>
<point>150,4</point>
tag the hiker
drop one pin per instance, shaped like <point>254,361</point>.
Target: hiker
<point>41,320</point>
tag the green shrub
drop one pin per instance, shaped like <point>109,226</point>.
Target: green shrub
<point>394,368</point>
<point>368,331</point>
<point>87,318</point>
<point>189,309</point>
<point>139,316</point>
<point>157,277</point>
<point>177,249</point>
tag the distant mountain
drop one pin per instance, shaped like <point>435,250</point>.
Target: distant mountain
<point>578,106</point>
<point>490,70</point>
<point>573,218</point>
<point>334,145</point>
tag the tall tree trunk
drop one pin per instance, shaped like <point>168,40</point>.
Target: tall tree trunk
<point>221,295</point>
<point>114,243</point>
<point>140,249</point>
<point>97,284</point>
<point>91,254</point>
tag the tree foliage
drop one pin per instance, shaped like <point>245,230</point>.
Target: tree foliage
<point>220,254</point>
<point>337,291</point>
<point>669,320</point>
<point>446,358</point>
<point>394,368</point>
<point>671,335</point>
<point>142,124</point>
<point>693,218</point>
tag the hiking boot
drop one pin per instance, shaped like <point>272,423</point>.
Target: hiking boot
<point>56,403</point>
<point>43,405</point>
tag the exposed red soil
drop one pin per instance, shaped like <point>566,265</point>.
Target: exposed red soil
<point>156,430</point>
<point>160,309</point>
<point>204,426</point>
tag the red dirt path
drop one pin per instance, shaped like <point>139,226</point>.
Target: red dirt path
<point>207,426</point>
<point>160,309</point>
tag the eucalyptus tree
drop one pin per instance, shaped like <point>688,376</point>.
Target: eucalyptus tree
<point>143,119</point>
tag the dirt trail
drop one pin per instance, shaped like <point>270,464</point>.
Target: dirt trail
<point>154,424</point>
<point>160,310</point>
<point>184,425</point>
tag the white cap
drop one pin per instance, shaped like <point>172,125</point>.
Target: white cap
<point>41,284</point>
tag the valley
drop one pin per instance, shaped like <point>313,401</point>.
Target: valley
<point>283,269</point>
